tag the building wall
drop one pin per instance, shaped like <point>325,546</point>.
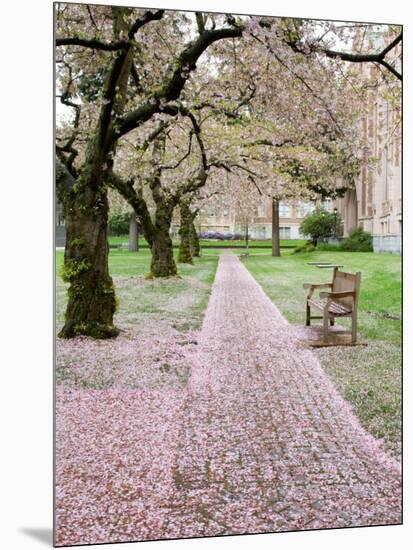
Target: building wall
<point>228,220</point>
<point>376,202</point>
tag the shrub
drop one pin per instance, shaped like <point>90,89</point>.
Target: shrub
<point>319,224</point>
<point>302,248</point>
<point>329,247</point>
<point>119,224</point>
<point>358,241</point>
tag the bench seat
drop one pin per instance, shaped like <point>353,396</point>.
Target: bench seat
<point>334,308</point>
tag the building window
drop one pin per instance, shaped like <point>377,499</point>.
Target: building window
<point>285,232</point>
<point>261,211</point>
<point>304,209</point>
<point>225,211</point>
<point>299,211</point>
<point>262,232</point>
<point>285,210</point>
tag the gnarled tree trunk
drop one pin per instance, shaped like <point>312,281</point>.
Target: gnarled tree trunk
<point>163,263</point>
<point>91,295</point>
<point>185,253</point>
<point>195,246</point>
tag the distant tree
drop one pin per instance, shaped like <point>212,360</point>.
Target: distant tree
<point>119,223</point>
<point>319,224</point>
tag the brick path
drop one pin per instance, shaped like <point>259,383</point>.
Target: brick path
<point>259,441</point>
<point>267,443</point>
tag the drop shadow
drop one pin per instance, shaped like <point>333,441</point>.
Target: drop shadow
<point>43,535</point>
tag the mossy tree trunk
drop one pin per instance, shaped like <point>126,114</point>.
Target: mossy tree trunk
<point>162,263</point>
<point>185,252</point>
<point>195,246</point>
<point>154,227</point>
<point>91,295</point>
<point>158,229</point>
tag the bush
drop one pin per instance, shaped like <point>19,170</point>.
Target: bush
<point>358,241</point>
<point>302,248</point>
<point>329,247</point>
<point>119,224</point>
<point>319,224</point>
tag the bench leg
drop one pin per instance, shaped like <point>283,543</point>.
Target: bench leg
<point>332,322</point>
<point>325,326</point>
<point>307,316</point>
<point>354,327</point>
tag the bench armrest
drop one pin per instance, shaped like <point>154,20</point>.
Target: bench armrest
<point>332,295</point>
<point>321,285</point>
<point>312,287</point>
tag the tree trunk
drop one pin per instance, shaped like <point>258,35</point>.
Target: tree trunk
<point>276,227</point>
<point>133,233</point>
<point>195,246</point>
<point>91,295</point>
<point>185,255</point>
<point>163,263</point>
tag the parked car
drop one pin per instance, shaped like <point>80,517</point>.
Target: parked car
<point>213,235</point>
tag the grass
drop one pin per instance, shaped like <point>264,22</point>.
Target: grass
<point>180,301</point>
<point>210,243</point>
<point>368,377</point>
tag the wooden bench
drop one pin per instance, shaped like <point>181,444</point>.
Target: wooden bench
<point>341,301</point>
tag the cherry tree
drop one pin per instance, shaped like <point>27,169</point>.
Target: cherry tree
<point>122,49</point>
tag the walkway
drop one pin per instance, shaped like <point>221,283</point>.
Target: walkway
<point>267,443</point>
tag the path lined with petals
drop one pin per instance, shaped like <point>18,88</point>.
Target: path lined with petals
<point>268,444</point>
<point>259,440</point>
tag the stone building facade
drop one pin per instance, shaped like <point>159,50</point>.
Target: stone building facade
<point>375,204</point>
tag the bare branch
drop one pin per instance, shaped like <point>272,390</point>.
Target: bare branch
<point>93,43</point>
<point>181,160</point>
<point>363,58</point>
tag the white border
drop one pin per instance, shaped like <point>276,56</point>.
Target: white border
<point>26,270</point>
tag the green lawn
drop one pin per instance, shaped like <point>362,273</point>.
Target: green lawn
<point>180,301</point>
<point>368,377</point>
<point>207,243</point>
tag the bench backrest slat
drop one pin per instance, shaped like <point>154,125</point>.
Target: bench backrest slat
<point>343,282</point>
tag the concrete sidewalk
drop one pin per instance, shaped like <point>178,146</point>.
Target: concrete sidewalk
<point>267,443</point>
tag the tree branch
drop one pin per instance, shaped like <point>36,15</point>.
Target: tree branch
<point>112,46</point>
<point>181,160</point>
<point>93,43</point>
<point>134,198</point>
<point>200,22</point>
<point>363,58</point>
<point>177,75</point>
<point>146,18</point>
